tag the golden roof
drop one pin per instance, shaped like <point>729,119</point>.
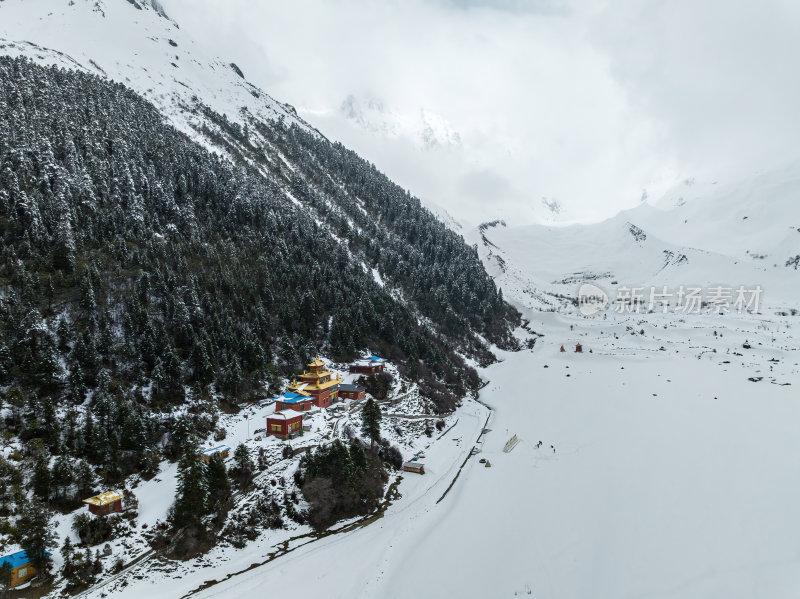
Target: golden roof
<point>316,362</point>
<point>317,375</point>
<point>316,386</point>
<point>104,498</point>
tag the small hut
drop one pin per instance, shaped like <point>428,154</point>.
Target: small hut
<point>413,466</point>
<point>285,425</point>
<point>579,349</point>
<point>105,503</point>
<point>370,365</point>
<point>223,450</point>
<point>352,392</point>
<point>20,566</point>
<point>562,349</point>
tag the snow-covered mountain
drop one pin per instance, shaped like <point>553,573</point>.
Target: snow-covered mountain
<point>108,193</point>
<point>657,461</point>
<point>746,233</point>
<point>136,43</point>
<point>754,219</point>
<point>428,130</point>
<point>660,460</point>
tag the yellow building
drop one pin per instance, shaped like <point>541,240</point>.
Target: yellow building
<point>317,383</point>
<point>21,568</point>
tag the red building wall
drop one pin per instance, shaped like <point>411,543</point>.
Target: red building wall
<point>324,398</point>
<point>109,508</point>
<point>357,369</point>
<point>284,424</point>
<point>301,406</point>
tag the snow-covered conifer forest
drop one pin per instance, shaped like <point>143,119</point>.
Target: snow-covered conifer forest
<point>237,359</point>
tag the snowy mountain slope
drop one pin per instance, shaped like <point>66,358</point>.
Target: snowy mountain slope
<point>311,192</point>
<point>427,129</point>
<point>742,235</point>
<point>666,466</point>
<point>756,218</point>
<point>138,45</point>
<point>205,98</point>
<point>674,474</point>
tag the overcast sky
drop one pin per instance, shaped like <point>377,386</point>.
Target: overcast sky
<point>489,107</point>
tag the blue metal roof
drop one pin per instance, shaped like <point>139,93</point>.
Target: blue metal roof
<point>217,449</point>
<point>377,359</point>
<point>20,558</point>
<point>292,398</point>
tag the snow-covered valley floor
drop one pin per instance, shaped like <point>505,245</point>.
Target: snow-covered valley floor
<point>673,476</point>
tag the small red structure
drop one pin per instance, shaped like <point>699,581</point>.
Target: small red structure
<point>105,503</point>
<point>285,424</point>
<point>352,392</point>
<point>371,365</point>
<point>579,348</point>
<point>294,401</point>
<point>413,466</point>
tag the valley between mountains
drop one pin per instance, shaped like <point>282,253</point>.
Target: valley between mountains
<point>250,341</point>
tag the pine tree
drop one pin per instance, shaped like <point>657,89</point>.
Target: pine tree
<point>88,302</point>
<point>191,496</point>
<point>52,428</point>
<point>371,421</point>
<point>232,379</point>
<point>243,465</point>
<point>5,578</point>
<point>5,361</point>
<point>66,554</point>
<point>84,479</point>
<point>16,401</point>
<point>183,433</point>
<point>159,378</point>
<point>89,436</point>
<point>219,485</point>
<point>35,533</point>
<point>77,388</point>
<point>40,481</point>
<point>64,249</point>
<point>358,456</point>
<point>61,475</point>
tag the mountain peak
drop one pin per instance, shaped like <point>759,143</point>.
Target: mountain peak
<point>152,4</point>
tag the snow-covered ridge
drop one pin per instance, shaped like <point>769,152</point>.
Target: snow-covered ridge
<point>134,42</point>
<point>428,129</point>
<point>737,234</point>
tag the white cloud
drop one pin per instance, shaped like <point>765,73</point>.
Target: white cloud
<point>583,104</point>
